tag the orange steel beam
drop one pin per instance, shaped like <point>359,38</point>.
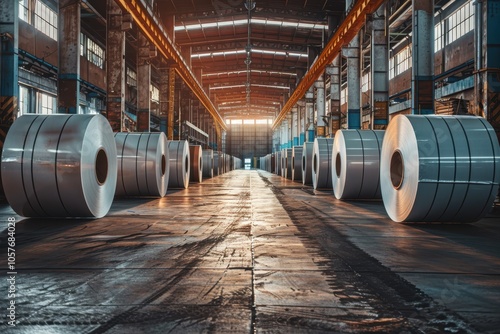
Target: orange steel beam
<point>343,35</point>
<point>159,38</point>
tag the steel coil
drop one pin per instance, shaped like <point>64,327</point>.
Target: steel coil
<point>307,155</point>
<point>439,169</point>
<point>179,161</point>
<point>321,163</point>
<point>208,163</point>
<point>143,164</point>
<point>297,163</point>
<point>278,163</point>
<point>356,164</point>
<point>60,166</point>
<point>216,166</point>
<point>196,167</point>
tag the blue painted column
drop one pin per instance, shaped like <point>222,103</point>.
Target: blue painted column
<point>351,52</point>
<point>487,46</point>
<point>68,85</point>
<point>422,73</point>
<point>9,59</point>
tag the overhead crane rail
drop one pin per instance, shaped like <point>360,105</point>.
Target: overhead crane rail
<point>156,35</point>
<point>343,35</point>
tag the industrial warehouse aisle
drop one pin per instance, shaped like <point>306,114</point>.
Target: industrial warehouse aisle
<point>249,251</point>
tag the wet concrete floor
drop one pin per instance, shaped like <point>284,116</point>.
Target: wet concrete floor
<point>251,252</point>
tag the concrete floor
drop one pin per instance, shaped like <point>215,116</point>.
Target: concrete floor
<point>251,252</point>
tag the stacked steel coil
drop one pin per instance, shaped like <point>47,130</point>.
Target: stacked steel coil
<point>196,167</point>
<point>439,168</point>
<point>297,163</point>
<point>60,166</point>
<point>307,156</point>
<point>143,164</point>
<point>321,163</point>
<point>356,164</point>
<point>179,161</point>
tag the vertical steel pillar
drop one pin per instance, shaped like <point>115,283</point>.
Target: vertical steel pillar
<point>379,71</point>
<point>320,107</point>
<point>164,81</point>
<point>9,60</point>
<point>422,78</point>
<point>143,85</point>
<point>68,85</point>
<point>310,115</point>
<point>487,46</point>
<point>115,65</point>
<point>295,126</point>
<point>171,104</point>
<point>302,121</point>
<point>335,88</point>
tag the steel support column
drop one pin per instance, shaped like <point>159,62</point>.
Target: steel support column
<point>353,84</point>
<point>143,85</point>
<point>310,129</point>
<point>379,70</point>
<point>295,126</point>
<point>422,78</point>
<point>9,60</point>
<point>171,104</point>
<point>335,88</point>
<point>320,107</point>
<point>115,66</point>
<point>487,77</point>
<point>68,85</point>
<point>163,82</point>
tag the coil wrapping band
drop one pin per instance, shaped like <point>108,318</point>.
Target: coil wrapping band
<point>208,163</point>
<point>356,164</point>
<point>297,163</point>
<point>196,168</point>
<point>321,163</point>
<point>60,166</point>
<point>179,160</point>
<point>143,164</point>
<point>307,155</point>
<point>439,168</point>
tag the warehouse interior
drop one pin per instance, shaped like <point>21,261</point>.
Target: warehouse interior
<point>249,166</point>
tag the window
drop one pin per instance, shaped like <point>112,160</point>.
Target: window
<point>438,36</point>
<point>343,96</point>
<point>155,94</point>
<point>46,20</point>
<point>83,50</point>
<point>95,54</point>
<point>249,121</point>
<point>46,103</point>
<point>263,121</point>
<point>131,77</point>
<point>460,22</point>
<point>400,63</point>
<point>365,82</point>
<point>24,100</point>
<point>24,11</point>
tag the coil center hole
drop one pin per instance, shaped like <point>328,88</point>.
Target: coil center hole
<point>101,166</point>
<point>186,164</point>
<point>338,166</point>
<point>303,163</point>
<point>163,165</point>
<point>201,164</point>
<point>397,169</point>
<point>315,166</point>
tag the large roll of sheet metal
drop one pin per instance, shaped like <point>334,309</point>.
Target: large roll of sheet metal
<point>288,161</point>
<point>217,163</point>
<point>321,163</point>
<point>307,155</point>
<point>143,164</point>
<point>278,163</point>
<point>208,163</point>
<point>179,160</point>
<point>196,168</point>
<point>439,168</point>
<point>297,163</point>
<point>356,164</point>
<point>60,166</point>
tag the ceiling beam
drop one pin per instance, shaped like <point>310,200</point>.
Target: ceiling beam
<point>343,35</point>
<point>150,28</point>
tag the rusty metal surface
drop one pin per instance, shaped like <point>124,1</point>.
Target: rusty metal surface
<point>251,252</point>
